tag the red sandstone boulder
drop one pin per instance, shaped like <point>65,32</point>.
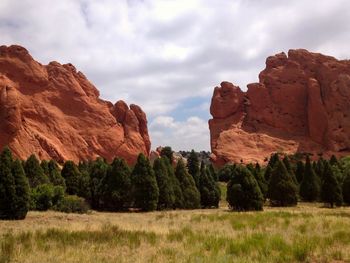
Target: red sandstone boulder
<point>55,112</point>
<point>301,104</point>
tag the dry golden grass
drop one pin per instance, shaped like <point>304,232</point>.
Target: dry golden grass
<point>304,233</point>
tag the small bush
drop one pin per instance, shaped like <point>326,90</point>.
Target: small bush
<point>72,204</point>
<point>45,196</point>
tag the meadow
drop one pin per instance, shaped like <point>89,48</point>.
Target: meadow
<point>306,233</point>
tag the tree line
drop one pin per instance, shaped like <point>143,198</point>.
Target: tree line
<point>34,185</point>
<point>167,184</point>
<point>286,180</point>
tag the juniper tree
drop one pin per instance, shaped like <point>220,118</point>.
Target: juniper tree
<point>330,191</point>
<point>346,188</point>
<point>84,168</point>
<point>225,173</point>
<point>289,168</point>
<point>256,172</point>
<point>166,198</point>
<point>217,190</point>
<point>310,185</point>
<point>98,171</point>
<point>72,176</point>
<point>209,192</point>
<point>34,172</point>
<point>22,198</point>
<point>14,188</point>
<point>213,172</point>
<point>273,160</point>
<point>168,152</point>
<point>115,186</point>
<point>333,160</point>
<point>299,174</point>
<point>7,185</point>
<point>243,192</point>
<point>267,173</point>
<point>282,190</point>
<point>54,174</point>
<point>145,189</point>
<point>319,170</point>
<point>191,195</point>
<point>178,196</point>
<point>45,166</point>
<point>193,166</point>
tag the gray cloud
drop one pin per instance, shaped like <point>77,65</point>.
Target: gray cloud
<point>160,53</point>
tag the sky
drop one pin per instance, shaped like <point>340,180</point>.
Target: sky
<point>167,56</point>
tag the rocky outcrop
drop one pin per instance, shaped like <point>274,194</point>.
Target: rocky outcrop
<point>55,112</point>
<point>301,104</point>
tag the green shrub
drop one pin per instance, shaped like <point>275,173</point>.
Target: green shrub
<point>45,196</point>
<point>72,204</point>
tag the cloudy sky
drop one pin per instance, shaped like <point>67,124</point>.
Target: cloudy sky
<point>167,56</point>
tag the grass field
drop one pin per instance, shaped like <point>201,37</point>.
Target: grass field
<point>307,233</point>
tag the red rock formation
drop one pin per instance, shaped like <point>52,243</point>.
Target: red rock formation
<point>54,112</point>
<point>301,104</point>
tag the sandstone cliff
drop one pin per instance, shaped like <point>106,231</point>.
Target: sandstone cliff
<point>301,104</point>
<point>54,112</point>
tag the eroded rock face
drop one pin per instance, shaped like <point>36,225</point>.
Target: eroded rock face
<point>301,104</point>
<point>54,112</point>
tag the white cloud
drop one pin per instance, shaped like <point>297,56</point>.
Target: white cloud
<point>180,135</point>
<point>159,53</point>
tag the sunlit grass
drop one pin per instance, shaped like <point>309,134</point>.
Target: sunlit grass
<point>306,233</point>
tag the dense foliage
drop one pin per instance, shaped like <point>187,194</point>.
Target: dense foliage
<point>243,192</point>
<point>167,183</point>
<point>145,188</point>
<point>282,190</point>
<point>14,188</point>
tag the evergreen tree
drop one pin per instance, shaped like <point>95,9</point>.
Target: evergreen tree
<point>14,188</point>
<point>72,176</point>
<point>310,185</point>
<point>178,196</point>
<point>289,168</point>
<point>282,190</point>
<point>333,160</point>
<point>330,190</point>
<point>267,173</point>
<point>166,198</point>
<point>168,152</point>
<point>84,168</point>
<point>145,189</point>
<point>300,171</point>
<point>257,173</point>
<point>98,170</point>
<point>213,172</point>
<point>226,172</point>
<point>209,192</point>
<point>319,170</point>
<point>346,188</point>
<point>22,198</point>
<point>34,172</point>
<point>191,195</point>
<point>54,174</point>
<point>243,192</point>
<point>273,160</point>
<point>7,185</point>
<point>193,166</point>
<point>45,166</point>
<point>115,186</point>
<point>338,173</point>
